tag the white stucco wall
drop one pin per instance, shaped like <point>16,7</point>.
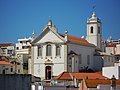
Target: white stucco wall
<point>56,60</point>
<point>110,50</point>
<point>108,60</point>
<point>1,52</point>
<point>7,69</point>
<point>57,63</point>
<point>95,37</point>
<point>50,37</point>
<point>92,38</point>
<point>118,49</point>
<point>98,63</point>
<point>110,71</point>
<point>5,49</point>
<point>83,51</point>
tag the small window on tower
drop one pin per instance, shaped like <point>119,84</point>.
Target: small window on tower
<point>99,30</point>
<point>91,29</point>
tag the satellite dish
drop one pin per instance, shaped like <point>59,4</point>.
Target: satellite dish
<point>66,32</point>
<point>82,37</point>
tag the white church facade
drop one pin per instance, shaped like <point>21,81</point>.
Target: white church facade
<point>53,53</point>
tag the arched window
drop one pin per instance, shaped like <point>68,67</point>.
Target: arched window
<point>57,50</point>
<point>91,29</point>
<point>39,51</point>
<point>48,50</point>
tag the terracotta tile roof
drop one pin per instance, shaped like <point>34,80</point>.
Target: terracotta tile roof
<point>93,83</point>
<point>63,76</point>
<point>5,44</point>
<point>110,45</point>
<point>79,75</point>
<point>2,58</point>
<point>76,39</point>
<point>6,63</point>
<point>89,76</point>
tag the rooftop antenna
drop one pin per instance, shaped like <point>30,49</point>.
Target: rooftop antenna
<point>94,13</point>
<point>94,8</point>
<point>49,17</point>
<point>33,34</point>
<point>66,31</point>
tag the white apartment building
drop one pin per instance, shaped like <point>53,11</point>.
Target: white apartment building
<point>23,49</point>
<point>7,49</point>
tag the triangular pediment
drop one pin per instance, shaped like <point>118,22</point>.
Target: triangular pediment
<point>72,52</point>
<point>49,35</point>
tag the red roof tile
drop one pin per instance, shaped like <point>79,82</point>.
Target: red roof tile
<point>5,44</point>
<point>79,75</point>
<point>76,39</point>
<point>110,45</point>
<point>5,63</point>
<point>93,83</point>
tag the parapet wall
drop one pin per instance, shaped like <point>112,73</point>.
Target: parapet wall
<point>15,81</point>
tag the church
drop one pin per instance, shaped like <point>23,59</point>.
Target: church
<point>53,53</point>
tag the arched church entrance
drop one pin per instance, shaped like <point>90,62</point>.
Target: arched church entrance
<point>48,72</point>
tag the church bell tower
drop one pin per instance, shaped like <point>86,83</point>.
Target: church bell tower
<point>94,31</point>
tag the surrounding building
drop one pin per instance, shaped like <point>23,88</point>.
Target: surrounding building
<point>112,70</point>
<point>112,49</point>
<point>7,54</point>
<point>23,53</point>
<point>7,49</point>
<point>111,57</point>
<point>7,67</point>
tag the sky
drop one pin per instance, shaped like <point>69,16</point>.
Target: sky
<point>19,18</point>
